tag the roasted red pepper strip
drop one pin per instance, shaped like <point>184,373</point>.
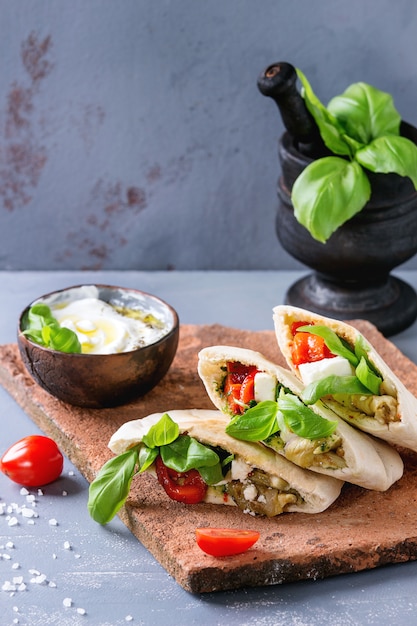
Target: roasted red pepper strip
<point>307,347</point>
<point>187,487</point>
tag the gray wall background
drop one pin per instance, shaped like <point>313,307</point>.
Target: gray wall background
<point>132,133</point>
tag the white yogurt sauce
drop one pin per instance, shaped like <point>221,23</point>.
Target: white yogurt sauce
<point>101,329</point>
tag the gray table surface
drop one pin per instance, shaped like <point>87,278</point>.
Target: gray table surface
<point>61,557</point>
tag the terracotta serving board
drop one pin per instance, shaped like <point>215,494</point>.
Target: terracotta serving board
<point>361,530</point>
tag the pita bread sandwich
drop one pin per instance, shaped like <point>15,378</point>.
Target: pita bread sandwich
<point>338,365</point>
<point>263,403</point>
<point>194,460</point>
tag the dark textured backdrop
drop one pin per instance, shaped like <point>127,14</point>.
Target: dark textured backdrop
<point>132,133</point>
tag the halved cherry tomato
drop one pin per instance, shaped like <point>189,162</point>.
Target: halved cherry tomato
<point>238,371</point>
<point>187,487</point>
<point>33,461</point>
<point>225,541</point>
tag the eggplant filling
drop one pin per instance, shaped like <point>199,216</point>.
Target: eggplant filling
<point>260,494</point>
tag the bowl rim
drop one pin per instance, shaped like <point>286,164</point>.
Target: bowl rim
<point>172,329</point>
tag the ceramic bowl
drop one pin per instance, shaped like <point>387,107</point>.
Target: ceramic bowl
<point>103,380</point>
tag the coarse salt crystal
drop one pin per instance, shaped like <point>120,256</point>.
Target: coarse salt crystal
<point>67,545</point>
<point>13,521</point>
<point>28,513</point>
<point>53,522</point>
<point>24,491</point>
<point>39,580</point>
<point>10,545</point>
<point>67,602</point>
<point>128,618</point>
<point>81,611</point>
<point>8,586</point>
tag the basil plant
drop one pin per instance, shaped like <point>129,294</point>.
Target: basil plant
<point>361,127</point>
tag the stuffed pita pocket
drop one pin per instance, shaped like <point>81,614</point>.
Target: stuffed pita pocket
<point>263,403</point>
<point>194,460</point>
<point>356,384</point>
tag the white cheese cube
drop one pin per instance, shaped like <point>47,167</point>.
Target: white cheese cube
<point>264,387</point>
<point>336,366</point>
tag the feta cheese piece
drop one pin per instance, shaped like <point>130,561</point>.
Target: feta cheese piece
<point>240,469</point>
<point>264,386</point>
<point>336,366</point>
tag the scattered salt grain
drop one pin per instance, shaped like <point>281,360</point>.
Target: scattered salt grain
<point>128,618</point>
<point>67,602</point>
<point>71,473</point>
<point>53,522</point>
<point>40,492</point>
<point>52,584</point>
<point>13,521</point>
<point>16,565</point>
<point>24,491</point>
<point>39,580</point>
<point>81,611</point>
<point>29,513</point>
<point>6,557</point>
<point>8,586</point>
<point>65,493</point>
<point>67,545</point>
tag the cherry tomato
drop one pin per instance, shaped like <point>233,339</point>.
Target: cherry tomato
<point>187,487</point>
<point>33,461</point>
<point>225,541</point>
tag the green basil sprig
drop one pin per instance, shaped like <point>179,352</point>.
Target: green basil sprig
<point>263,420</point>
<point>335,344</point>
<point>331,385</point>
<point>44,329</point>
<point>109,490</point>
<point>361,127</point>
<point>368,380</point>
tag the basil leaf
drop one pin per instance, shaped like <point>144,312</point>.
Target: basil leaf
<point>187,453</point>
<point>211,475</point>
<point>368,378</point>
<point>62,339</point>
<point>302,420</point>
<point>332,385</point>
<point>365,112</point>
<point>390,154</point>
<point>361,348</point>
<point>327,193</point>
<point>335,344</point>
<point>163,432</point>
<point>109,490</point>
<point>44,329</point>
<point>330,129</point>
<point>146,457</point>
<point>40,315</point>
<point>256,424</point>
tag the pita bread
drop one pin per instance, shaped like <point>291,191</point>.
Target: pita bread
<point>396,422</point>
<point>358,459</point>
<point>313,493</point>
